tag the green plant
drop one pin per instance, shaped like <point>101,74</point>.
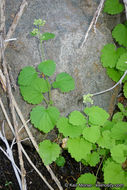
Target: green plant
<point>115,59</point>
<point>7,184</point>
<point>113,7</point>
<point>110,136</point>
<point>91,138</point>
<point>35,87</point>
<point>60,161</point>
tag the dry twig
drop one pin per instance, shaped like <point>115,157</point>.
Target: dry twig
<point>15,21</point>
<point>23,185</point>
<point>3,80</point>
<point>94,21</point>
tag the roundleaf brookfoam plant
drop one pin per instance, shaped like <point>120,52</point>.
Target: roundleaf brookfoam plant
<point>91,139</point>
<point>35,88</point>
<point>111,136</point>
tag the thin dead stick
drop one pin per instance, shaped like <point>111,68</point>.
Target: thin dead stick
<point>10,95</point>
<point>23,126</point>
<point>13,142</point>
<point>13,83</point>
<point>5,114</point>
<point>94,21</point>
<point>29,160</point>
<point>15,21</point>
<point>2,11</point>
<point>9,40</point>
<point>23,172</point>
<point>114,86</point>
<point>3,80</point>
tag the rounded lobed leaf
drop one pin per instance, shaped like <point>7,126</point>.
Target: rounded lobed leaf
<point>109,56</point>
<point>122,62</point>
<point>87,179</point>
<point>33,93</point>
<point>78,148</point>
<point>121,107</point>
<point>27,76</point>
<point>97,116</point>
<point>64,82</point>
<point>92,133</point>
<point>48,151</point>
<point>60,161</point>
<point>119,131</point>
<point>44,119</point>
<point>118,153</point>
<point>107,126</point>
<point>113,7</point>
<point>93,158</point>
<point>102,151</point>
<point>114,174</point>
<point>117,117</point>
<point>47,36</point>
<point>125,89</point>
<point>120,51</point>
<point>84,162</point>
<point>47,67</point>
<point>105,141</point>
<point>114,74</point>
<point>68,129</point>
<point>77,118</point>
<point>125,78</point>
<point>119,33</point>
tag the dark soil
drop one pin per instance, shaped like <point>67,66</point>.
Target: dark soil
<point>67,174</point>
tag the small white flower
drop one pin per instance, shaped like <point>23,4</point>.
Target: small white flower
<point>87,98</point>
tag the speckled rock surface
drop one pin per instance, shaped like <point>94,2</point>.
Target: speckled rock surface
<point>69,21</point>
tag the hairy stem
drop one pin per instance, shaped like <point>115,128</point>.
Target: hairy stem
<point>109,89</point>
<point>46,100</point>
<point>42,51</point>
<point>49,88</point>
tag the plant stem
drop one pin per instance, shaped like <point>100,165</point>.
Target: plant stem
<point>46,100</point>
<point>49,87</point>
<point>42,51</point>
<point>42,59</point>
<point>109,89</point>
<point>100,166</point>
